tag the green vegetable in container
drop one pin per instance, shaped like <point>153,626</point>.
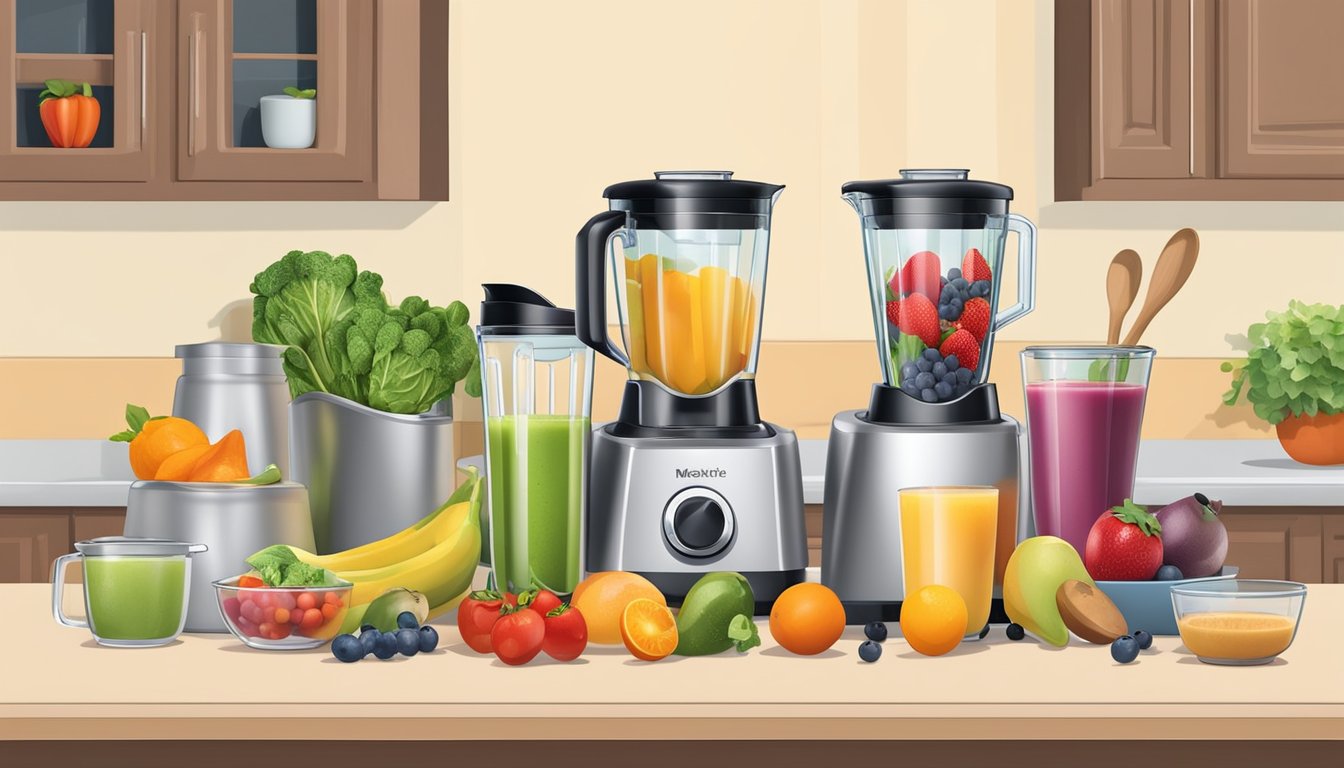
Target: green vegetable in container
<point>1295,365</point>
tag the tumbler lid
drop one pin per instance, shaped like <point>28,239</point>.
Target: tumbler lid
<point>514,310</point>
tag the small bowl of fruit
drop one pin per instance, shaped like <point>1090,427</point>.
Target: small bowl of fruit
<point>282,618</point>
<point>1238,621</point>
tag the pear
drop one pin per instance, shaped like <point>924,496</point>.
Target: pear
<point>383,611</point>
<point>1035,571</point>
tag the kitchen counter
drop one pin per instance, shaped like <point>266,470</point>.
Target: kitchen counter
<point>210,687</point>
<point>64,473</point>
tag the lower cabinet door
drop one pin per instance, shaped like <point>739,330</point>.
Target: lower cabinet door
<point>1274,545</point>
<point>29,542</point>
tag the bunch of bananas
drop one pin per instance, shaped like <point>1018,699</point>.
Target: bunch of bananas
<point>437,557</point>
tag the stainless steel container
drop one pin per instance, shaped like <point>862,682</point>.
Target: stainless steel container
<point>226,386</point>
<point>233,520</point>
<point>369,473</point>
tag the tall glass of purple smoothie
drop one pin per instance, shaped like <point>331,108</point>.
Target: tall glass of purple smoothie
<point>1084,415</point>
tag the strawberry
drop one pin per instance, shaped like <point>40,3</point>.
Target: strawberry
<point>975,318</point>
<point>921,273</point>
<point>916,316</point>
<point>974,267</point>
<point>893,312</point>
<point>1125,544</point>
<point>962,344</point>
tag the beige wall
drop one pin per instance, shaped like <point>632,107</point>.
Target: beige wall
<point>552,101</point>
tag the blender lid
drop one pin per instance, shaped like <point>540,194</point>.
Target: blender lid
<point>514,310</point>
<point>231,349</point>
<point>694,200</point>
<point>703,185</point>
<point>131,546</point>
<point>950,183</point>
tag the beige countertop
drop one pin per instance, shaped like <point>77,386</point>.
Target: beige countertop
<point>58,684</point>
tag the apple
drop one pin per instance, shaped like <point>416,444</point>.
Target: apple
<point>1036,569</point>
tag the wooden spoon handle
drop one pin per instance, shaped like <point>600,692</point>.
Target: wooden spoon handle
<point>1173,269</point>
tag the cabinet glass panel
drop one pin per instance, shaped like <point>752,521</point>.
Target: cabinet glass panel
<point>275,26</point>
<point>29,120</point>
<point>64,26</point>
<point>254,78</point>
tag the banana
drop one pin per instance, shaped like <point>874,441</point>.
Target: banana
<point>443,573</point>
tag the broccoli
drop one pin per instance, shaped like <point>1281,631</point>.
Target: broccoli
<point>344,337</point>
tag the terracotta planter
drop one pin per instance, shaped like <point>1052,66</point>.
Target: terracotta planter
<point>1313,439</point>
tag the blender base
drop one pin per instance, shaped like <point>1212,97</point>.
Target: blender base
<point>867,463</point>
<point>675,508</point>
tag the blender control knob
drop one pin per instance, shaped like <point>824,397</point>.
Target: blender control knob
<point>698,523</point>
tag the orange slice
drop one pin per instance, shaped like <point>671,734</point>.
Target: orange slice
<point>648,629</point>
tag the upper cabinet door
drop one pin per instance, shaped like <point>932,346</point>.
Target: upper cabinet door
<point>106,43</point>
<point>1144,89</point>
<point>1282,89</point>
<point>232,53</point>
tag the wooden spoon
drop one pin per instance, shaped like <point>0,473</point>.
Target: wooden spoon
<point>1173,269</point>
<point>1122,287</point>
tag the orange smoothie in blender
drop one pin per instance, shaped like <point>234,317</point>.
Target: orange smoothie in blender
<point>948,538</point>
<point>691,331</point>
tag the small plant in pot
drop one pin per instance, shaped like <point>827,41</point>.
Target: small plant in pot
<point>1293,376</point>
<point>289,120</point>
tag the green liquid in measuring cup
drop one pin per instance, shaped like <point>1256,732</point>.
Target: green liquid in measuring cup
<point>135,598</point>
<point>536,473</point>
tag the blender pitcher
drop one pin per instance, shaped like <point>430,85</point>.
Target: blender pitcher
<point>933,242</point>
<point>537,390</point>
<point>689,276</point>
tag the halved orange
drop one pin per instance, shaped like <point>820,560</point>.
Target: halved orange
<point>648,629</point>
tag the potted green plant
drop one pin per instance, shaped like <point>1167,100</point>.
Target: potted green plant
<point>1293,375</point>
<point>289,121</point>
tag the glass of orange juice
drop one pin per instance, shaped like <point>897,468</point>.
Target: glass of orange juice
<point>947,538</point>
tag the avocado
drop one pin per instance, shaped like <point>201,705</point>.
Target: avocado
<point>708,610</point>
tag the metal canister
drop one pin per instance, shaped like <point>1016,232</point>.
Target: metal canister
<point>369,473</point>
<point>232,519</point>
<point>226,386</point>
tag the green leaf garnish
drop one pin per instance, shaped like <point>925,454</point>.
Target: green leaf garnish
<point>267,476</point>
<point>1129,512</point>
<point>743,632</point>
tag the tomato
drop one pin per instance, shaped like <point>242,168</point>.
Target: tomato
<point>477,614</point>
<point>312,619</point>
<point>543,601</point>
<point>281,616</point>
<point>250,581</point>
<point>329,611</point>
<point>517,636</point>
<point>306,600</point>
<point>566,633</point>
<point>333,598</point>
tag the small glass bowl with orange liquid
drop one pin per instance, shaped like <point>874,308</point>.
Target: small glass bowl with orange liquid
<point>1239,622</point>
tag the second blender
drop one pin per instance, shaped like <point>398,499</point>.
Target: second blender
<point>689,478</point>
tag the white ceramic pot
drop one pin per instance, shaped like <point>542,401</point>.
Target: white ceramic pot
<point>287,122</point>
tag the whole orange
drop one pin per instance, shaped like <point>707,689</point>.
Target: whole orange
<point>933,619</point>
<point>807,619</point>
<point>159,439</point>
<point>602,598</point>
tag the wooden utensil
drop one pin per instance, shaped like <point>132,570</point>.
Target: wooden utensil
<point>1122,287</point>
<point>1173,269</point>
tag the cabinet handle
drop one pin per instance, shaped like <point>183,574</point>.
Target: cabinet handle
<point>144,85</point>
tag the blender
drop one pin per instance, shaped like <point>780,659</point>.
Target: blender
<point>934,245</point>
<point>689,479</point>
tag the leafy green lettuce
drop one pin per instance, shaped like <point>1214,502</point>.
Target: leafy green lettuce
<point>1295,365</point>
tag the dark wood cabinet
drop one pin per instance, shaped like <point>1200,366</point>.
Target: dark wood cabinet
<point>1198,99</point>
<point>1267,544</point>
<point>29,542</point>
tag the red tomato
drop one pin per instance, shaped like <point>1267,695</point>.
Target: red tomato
<point>329,611</point>
<point>250,581</point>
<point>281,631</point>
<point>566,633</point>
<point>306,600</point>
<point>544,601</point>
<point>517,636</point>
<point>296,617</point>
<point>476,615</point>
<point>281,616</point>
<point>333,598</point>
<point>312,619</point>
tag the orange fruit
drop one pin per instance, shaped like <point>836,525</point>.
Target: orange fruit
<point>933,619</point>
<point>179,465</point>
<point>648,629</point>
<point>224,462</point>
<point>159,439</point>
<point>807,619</point>
<point>602,598</point>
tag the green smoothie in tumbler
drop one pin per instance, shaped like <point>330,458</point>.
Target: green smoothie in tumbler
<point>135,598</point>
<point>536,475</point>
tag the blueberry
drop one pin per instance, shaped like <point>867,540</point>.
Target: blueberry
<point>923,364</point>
<point>366,628</point>
<point>953,273</point>
<point>1169,573</point>
<point>875,631</point>
<point>944,312</point>
<point>984,631</point>
<point>939,370</point>
<point>964,374</point>
<point>950,379</point>
<point>952,362</point>
<point>982,286</point>
<point>429,639</point>
<point>408,641</point>
<point>870,651</point>
<point>385,647</point>
<point>1125,649</point>
<point>407,620</point>
<point>932,355</point>
<point>369,639</point>
<point>1144,639</point>
<point>1016,632</point>
<point>928,395</point>
<point>347,648</point>
<point>925,380</point>
<point>948,292</point>
<point>958,305</point>
<point>909,388</point>
<point>908,369</point>
<point>943,390</point>
<point>960,282</point>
